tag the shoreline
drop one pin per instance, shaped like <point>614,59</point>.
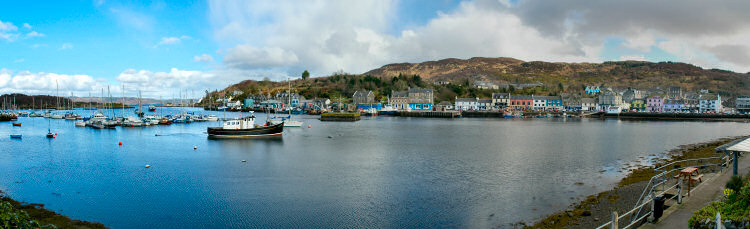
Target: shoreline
<point>596,209</point>
<point>44,216</point>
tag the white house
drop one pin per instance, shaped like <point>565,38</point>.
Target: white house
<point>709,103</point>
<point>540,102</point>
<point>463,104</point>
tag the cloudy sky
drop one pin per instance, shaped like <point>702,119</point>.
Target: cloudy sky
<point>160,47</point>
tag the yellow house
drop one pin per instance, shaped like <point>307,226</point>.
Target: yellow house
<point>638,104</point>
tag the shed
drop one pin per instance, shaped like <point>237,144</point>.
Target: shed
<point>735,148</point>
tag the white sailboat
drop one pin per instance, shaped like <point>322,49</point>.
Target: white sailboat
<point>288,122</point>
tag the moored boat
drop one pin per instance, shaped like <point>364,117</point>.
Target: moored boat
<point>15,136</point>
<point>244,128</point>
<point>17,124</point>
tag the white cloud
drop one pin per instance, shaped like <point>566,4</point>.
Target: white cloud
<point>7,31</point>
<point>171,40</point>
<point>45,83</point>
<point>66,46</point>
<point>7,26</point>
<point>246,56</point>
<point>293,35</point>
<point>34,34</point>
<point>26,25</point>
<point>205,58</point>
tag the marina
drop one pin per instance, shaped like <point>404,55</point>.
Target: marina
<point>376,172</point>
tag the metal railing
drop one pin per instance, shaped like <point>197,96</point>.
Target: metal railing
<point>637,214</point>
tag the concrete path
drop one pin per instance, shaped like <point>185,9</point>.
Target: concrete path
<point>711,189</point>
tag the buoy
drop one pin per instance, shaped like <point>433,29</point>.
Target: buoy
<point>244,161</point>
<point>195,147</point>
<point>309,126</point>
<point>53,136</point>
<point>55,133</point>
<point>148,166</point>
<point>119,143</point>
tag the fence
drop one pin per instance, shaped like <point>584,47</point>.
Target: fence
<point>657,186</point>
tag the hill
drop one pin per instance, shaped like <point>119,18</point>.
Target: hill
<point>460,74</point>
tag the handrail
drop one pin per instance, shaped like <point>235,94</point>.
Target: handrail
<point>652,184</point>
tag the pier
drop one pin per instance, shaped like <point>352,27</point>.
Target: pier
<point>430,114</point>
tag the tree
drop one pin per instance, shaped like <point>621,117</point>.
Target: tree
<point>305,75</point>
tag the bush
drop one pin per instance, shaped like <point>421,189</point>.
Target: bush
<point>10,218</point>
<point>735,183</point>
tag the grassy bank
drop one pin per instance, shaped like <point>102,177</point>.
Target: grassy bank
<point>34,215</point>
<point>595,209</point>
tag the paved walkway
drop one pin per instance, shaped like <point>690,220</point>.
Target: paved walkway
<point>711,189</point>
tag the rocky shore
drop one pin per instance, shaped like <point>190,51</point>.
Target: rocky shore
<point>595,210</point>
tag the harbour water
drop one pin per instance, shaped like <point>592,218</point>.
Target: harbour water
<point>378,172</point>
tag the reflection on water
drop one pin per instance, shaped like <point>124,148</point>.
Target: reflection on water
<point>379,172</point>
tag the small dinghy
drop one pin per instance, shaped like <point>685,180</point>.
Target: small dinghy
<point>15,136</point>
<point>17,124</point>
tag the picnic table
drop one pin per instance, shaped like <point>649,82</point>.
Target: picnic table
<point>691,175</point>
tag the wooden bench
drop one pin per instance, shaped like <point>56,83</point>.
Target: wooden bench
<point>697,178</point>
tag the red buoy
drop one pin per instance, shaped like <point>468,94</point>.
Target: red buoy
<point>309,126</point>
<point>119,143</point>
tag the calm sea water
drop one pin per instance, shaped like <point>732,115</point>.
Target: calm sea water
<point>379,172</point>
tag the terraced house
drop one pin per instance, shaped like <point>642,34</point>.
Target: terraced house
<point>413,99</point>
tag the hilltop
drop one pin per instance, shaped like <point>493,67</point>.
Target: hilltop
<point>457,77</point>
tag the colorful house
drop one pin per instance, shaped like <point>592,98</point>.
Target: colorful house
<point>465,104</point>
<point>710,104</point>
<point>420,98</point>
<point>521,102</point>
<point>638,105</point>
<point>654,104</point>
<point>553,103</point>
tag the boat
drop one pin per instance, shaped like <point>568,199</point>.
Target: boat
<point>287,121</point>
<point>80,123</point>
<point>131,122</point>
<point>17,124</point>
<point>152,108</point>
<point>245,128</point>
<point>15,136</point>
<point>165,121</point>
<point>57,116</point>
<point>212,118</point>
<point>613,110</point>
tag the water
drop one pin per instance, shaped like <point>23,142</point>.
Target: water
<point>379,172</point>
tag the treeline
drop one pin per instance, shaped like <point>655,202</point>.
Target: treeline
<point>342,86</point>
<point>23,101</point>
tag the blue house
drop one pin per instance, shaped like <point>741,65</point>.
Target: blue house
<point>249,102</point>
<point>420,98</point>
<point>377,106</point>
<point>554,102</point>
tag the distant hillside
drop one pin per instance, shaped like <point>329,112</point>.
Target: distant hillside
<point>637,74</point>
<point>556,78</point>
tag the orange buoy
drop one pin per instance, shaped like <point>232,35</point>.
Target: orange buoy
<point>309,126</point>
<point>119,143</point>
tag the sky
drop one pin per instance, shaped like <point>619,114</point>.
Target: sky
<point>168,48</point>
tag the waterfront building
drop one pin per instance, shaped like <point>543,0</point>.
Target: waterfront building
<point>654,104</point>
<point>571,102</point>
<point>321,104</point>
<point>589,104</point>
<point>444,106</point>
<point>553,103</point>
<point>521,102</point>
<point>420,98</point>
<point>465,104</point>
<point>307,104</point>
<point>674,93</point>
<point>484,104</point>
<point>249,102</point>
<point>592,90</point>
<point>271,104</point>
<point>638,105</point>
<point>363,98</point>
<point>710,103</point>
<point>673,106</point>
<point>631,94</point>
<point>500,100</point>
<point>539,102</point>
<point>609,98</point>
<point>400,100</point>
<point>742,104</point>
<point>289,99</point>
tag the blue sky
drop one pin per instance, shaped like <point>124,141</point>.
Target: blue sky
<point>164,46</point>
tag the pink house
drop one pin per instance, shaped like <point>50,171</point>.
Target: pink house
<point>654,104</point>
